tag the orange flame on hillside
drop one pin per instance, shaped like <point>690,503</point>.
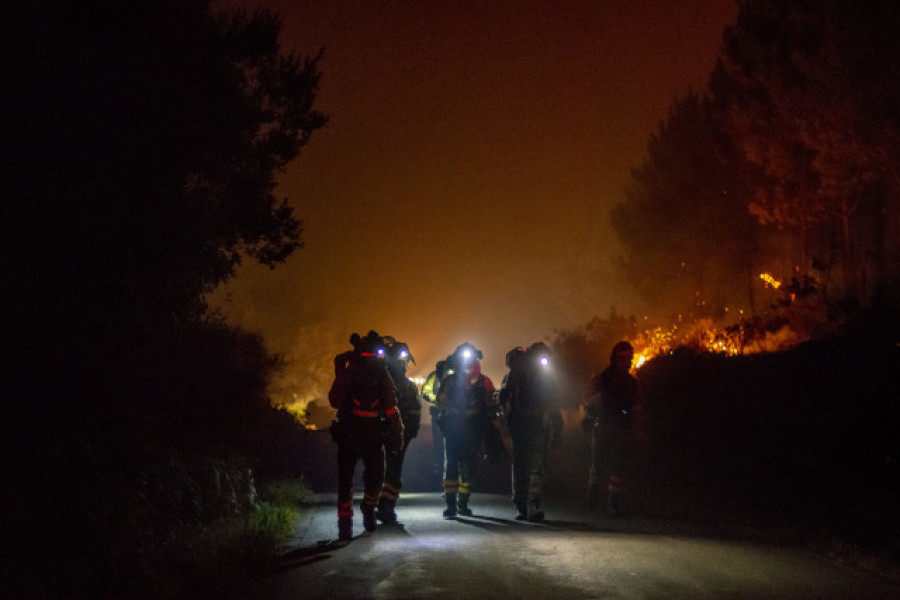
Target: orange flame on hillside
<point>770,280</point>
<point>705,336</point>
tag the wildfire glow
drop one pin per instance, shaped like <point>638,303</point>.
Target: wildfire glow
<point>704,336</point>
<point>770,280</point>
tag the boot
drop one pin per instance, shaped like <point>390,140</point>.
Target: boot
<point>522,510</point>
<point>450,511</point>
<point>345,528</point>
<point>464,509</point>
<point>368,513</point>
<point>535,514</point>
<point>385,511</point>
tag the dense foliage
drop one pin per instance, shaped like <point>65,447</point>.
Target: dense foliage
<point>802,442</point>
<point>143,143</point>
<point>691,246</point>
<point>787,164</point>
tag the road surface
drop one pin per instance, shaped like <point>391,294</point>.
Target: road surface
<point>572,555</point>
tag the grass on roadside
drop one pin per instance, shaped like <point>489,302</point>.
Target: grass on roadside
<point>223,556</point>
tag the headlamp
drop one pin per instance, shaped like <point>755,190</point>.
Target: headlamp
<point>404,354</point>
<point>545,360</point>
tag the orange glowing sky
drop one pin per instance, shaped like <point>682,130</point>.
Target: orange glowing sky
<point>461,189</point>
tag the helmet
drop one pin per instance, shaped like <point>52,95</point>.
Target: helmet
<point>399,351</point>
<point>370,345</point>
<point>623,348</point>
<point>540,353</point>
<point>515,357</point>
<point>466,353</point>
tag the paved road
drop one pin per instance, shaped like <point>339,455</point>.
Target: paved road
<point>570,556</point>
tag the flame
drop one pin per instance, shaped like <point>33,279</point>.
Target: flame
<point>703,335</point>
<point>770,280</point>
<point>742,337</point>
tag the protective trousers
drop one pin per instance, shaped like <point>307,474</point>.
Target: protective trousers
<point>608,450</point>
<point>393,482</point>
<point>364,443</point>
<point>529,468</point>
<point>461,440</point>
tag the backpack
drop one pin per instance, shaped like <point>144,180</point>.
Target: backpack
<point>364,391</point>
<point>342,377</point>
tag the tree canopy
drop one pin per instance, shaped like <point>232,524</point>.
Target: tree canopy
<point>800,130</point>
<point>146,140</point>
<point>143,144</point>
<point>810,92</point>
<point>690,242</point>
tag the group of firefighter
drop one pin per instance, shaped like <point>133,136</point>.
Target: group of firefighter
<point>379,413</point>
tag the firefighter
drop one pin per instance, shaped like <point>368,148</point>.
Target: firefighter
<point>465,408</point>
<point>397,357</point>
<point>611,411</point>
<point>366,400</point>
<point>430,390</point>
<point>528,398</point>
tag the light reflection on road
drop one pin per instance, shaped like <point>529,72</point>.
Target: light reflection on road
<point>572,555</point>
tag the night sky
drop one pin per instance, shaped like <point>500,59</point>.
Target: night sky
<point>461,190</point>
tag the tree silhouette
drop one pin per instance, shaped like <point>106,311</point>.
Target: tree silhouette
<point>143,142</point>
<point>811,90</point>
<point>690,242</point>
<point>147,138</point>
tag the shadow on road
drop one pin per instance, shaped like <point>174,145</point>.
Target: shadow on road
<point>490,523</point>
<point>301,557</point>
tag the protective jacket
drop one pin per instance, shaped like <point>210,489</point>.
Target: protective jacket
<point>410,406</point>
<point>366,399</point>
<point>613,397</point>
<point>529,401</point>
<point>461,399</point>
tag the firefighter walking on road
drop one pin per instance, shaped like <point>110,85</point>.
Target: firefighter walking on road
<point>611,411</point>
<point>464,404</point>
<point>397,357</point>
<point>430,390</point>
<point>366,400</point>
<point>528,397</point>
